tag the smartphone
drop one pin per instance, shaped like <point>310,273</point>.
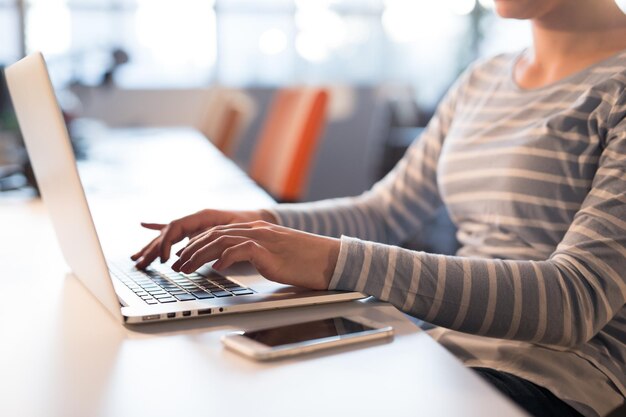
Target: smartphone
<point>310,336</point>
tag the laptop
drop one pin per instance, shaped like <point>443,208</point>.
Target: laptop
<point>132,296</point>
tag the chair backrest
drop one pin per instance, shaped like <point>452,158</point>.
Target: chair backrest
<point>284,152</point>
<point>226,115</point>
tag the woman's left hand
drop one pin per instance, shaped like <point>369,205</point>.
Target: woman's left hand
<point>279,253</point>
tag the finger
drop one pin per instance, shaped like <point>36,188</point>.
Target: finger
<point>207,253</point>
<point>249,251</point>
<point>195,238</point>
<point>258,233</point>
<point>255,225</point>
<point>177,231</point>
<point>153,226</point>
<point>192,237</point>
<point>243,225</point>
<point>195,233</point>
<point>149,255</point>
<point>173,234</point>
<point>194,244</point>
<point>141,252</point>
<point>222,227</point>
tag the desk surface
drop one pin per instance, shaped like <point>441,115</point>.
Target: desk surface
<point>62,354</point>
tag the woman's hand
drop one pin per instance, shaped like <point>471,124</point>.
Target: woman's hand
<point>190,226</point>
<point>280,254</point>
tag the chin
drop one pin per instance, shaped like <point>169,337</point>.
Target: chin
<point>520,9</point>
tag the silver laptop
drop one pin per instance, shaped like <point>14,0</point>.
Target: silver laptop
<point>132,296</point>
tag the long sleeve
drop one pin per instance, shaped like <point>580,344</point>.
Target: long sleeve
<point>564,300</point>
<point>397,206</point>
<point>535,182</point>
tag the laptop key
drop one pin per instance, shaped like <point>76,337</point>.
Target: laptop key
<point>167,300</point>
<point>189,287</point>
<point>212,287</point>
<point>151,301</point>
<point>243,291</point>
<point>202,295</point>
<point>159,296</point>
<point>185,297</point>
<point>169,286</point>
<point>221,294</point>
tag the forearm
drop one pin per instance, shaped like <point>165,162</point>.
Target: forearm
<point>336,217</point>
<point>267,216</point>
<point>491,297</point>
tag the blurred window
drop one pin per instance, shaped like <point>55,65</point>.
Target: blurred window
<point>9,32</point>
<point>191,43</point>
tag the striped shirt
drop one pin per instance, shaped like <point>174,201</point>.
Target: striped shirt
<point>535,181</point>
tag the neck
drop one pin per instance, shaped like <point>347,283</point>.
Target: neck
<point>583,31</point>
<point>569,38</point>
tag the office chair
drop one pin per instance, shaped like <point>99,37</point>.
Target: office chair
<point>284,152</point>
<point>226,116</point>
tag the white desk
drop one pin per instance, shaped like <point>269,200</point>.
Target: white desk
<point>62,354</point>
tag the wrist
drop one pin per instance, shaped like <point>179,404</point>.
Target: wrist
<point>267,216</point>
<point>252,216</point>
<point>334,247</point>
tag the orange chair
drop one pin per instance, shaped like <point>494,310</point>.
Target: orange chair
<point>227,114</point>
<point>282,159</point>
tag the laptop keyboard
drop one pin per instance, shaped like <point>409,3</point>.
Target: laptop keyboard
<point>160,284</point>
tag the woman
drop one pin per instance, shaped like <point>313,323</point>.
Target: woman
<point>528,153</point>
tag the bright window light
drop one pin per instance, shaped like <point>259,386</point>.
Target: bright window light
<point>410,21</point>
<point>49,27</point>
<point>315,4</point>
<point>321,30</point>
<point>273,41</point>
<point>178,31</point>
<point>487,4</point>
<point>462,7</point>
<point>310,48</point>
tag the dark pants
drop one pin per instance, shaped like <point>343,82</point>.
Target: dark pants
<point>536,400</point>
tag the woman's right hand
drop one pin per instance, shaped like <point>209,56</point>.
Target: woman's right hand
<point>190,226</point>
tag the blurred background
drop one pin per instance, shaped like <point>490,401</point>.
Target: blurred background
<point>194,43</point>
<point>385,64</point>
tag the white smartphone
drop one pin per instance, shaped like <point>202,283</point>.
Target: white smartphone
<point>294,339</point>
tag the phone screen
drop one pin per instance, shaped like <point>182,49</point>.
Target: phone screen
<point>302,332</point>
